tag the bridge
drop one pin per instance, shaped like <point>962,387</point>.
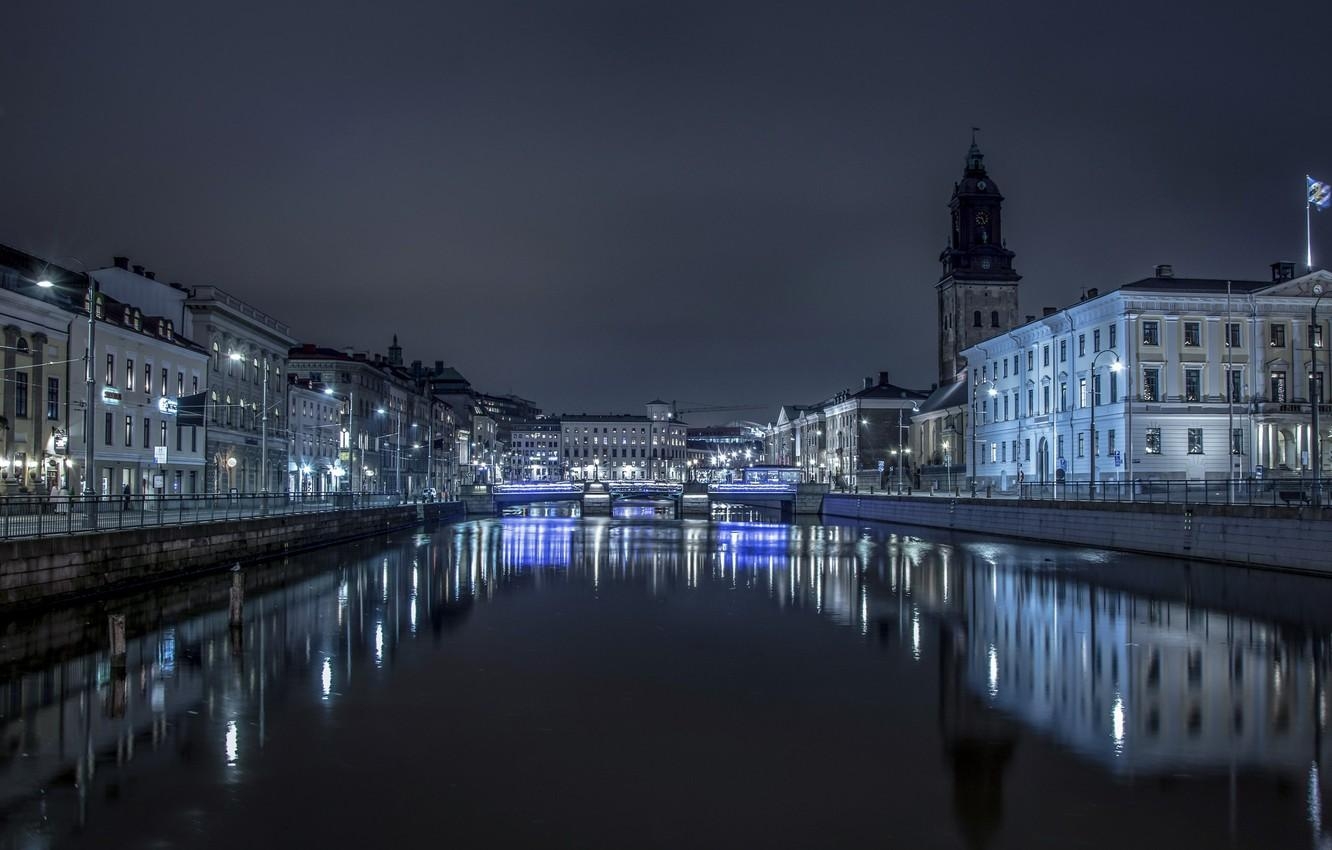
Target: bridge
<point>597,498</point>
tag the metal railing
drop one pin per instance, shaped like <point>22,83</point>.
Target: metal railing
<point>1284,492</point>
<point>51,516</point>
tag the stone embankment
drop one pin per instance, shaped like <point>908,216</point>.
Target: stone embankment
<point>39,570</point>
<point>1273,537</point>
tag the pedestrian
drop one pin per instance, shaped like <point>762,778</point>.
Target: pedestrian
<point>125,498</point>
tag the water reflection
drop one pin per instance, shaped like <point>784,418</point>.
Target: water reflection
<point>1122,662</point>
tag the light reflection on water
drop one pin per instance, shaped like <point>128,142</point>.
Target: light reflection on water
<point>1098,655</point>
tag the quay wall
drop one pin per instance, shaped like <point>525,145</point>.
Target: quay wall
<point>1270,537</point>
<point>41,570</point>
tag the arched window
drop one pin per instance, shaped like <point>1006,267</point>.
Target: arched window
<point>994,318</point>
<point>976,319</point>
<point>22,345</point>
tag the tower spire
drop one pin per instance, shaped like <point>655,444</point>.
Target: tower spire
<point>975,159</point>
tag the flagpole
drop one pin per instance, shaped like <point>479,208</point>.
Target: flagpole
<point>1308,236</point>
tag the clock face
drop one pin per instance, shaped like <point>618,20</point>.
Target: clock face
<point>982,218</point>
<point>981,185</point>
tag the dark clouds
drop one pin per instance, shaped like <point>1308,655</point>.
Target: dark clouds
<point>593,204</point>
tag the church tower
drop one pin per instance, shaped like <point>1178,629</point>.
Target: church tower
<point>978,293</point>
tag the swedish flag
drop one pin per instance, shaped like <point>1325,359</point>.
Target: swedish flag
<point>1320,193</point>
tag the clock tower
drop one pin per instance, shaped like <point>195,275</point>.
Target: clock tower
<point>977,288</point>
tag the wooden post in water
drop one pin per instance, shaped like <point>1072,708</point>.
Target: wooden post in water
<point>237,594</point>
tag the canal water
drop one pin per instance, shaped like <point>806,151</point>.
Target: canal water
<point>546,681</point>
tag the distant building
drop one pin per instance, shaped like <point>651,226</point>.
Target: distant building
<point>728,447</point>
<point>624,447</point>
<point>314,420</point>
<point>534,450</point>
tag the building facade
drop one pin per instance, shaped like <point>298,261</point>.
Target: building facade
<point>1188,379</point>
<point>534,451</point>
<point>313,429</point>
<point>624,447</point>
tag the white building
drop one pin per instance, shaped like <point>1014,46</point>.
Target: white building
<point>314,427</point>
<point>1196,379</point>
<point>534,451</point>
<point>624,447</point>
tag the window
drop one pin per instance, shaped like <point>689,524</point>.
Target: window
<point>164,381</point>
<point>1063,396</point>
<point>194,381</point>
<point>1082,392</point>
<point>52,398</point>
<point>1031,401</point>
<point>1005,367</point>
<point>1096,340</point>
<point>1277,334</point>
<point>1113,334</point>
<point>1317,379</point>
<point>147,432</point>
<point>1096,390</point>
<point>1195,441</point>
<point>147,379</point>
<point>1192,334</point>
<point>1151,384</point>
<point>1237,441</point>
<point>994,318</point>
<point>1236,385</point>
<point>129,431</point>
<point>1153,441</point>
<point>1045,398</point>
<point>1193,385</point>
<point>1063,351</point>
<point>1082,444</point>
<point>21,395</point>
<point>1114,387</point>
<point>1110,441</point>
<point>1316,335</point>
<point>106,429</point>
<point>1005,408</point>
<point>216,356</point>
<point>1015,364</point>
<point>1151,333</point>
<point>129,376</point>
<point>163,429</point>
<point>994,452</point>
<point>1045,356</point>
<point>110,370</point>
<point>179,436</point>
<point>1082,345</point>
<point>1233,335</point>
<point>1026,448</point>
<point>1277,383</point>
<point>1003,452</point>
<point>1031,359</point>
<point>1059,446</point>
<point>976,319</point>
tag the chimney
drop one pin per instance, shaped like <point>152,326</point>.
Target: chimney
<point>150,275</point>
<point>883,378</point>
<point>1031,318</point>
<point>121,262</point>
<point>1164,270</point>
<point>1093,292</point>
<point>138,270</point>
<point>869,382</point>
<point>1283,271</point>
<point>1050,311</point>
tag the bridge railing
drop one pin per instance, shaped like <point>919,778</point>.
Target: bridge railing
<point>539,488</point>
<point>655,487</point>
<point>752,489</point>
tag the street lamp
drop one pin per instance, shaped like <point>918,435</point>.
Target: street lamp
<point>351,435</point>
<point>237,357</point>
<point>1114,367</point>
<point>901,449</point>
<point>397,453</point>
<point>975,430</point>
<point>88,413</point>
<point>1316,445</point>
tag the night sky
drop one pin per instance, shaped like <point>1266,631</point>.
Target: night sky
<point>595,203</point>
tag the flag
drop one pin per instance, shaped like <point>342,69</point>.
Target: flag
<point>1320,193</point>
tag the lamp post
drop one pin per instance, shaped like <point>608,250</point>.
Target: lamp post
<point>1315,445</point>
<point>89,411</point>
<point>901,449</point>
<point>397,450</point>
<point>351,434</point>
<point>236,356</point>
<point>1114,367</point>
<point>975,429</point>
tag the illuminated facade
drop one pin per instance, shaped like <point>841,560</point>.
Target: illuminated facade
<point>620,447</point>
<point>1192,383</point>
